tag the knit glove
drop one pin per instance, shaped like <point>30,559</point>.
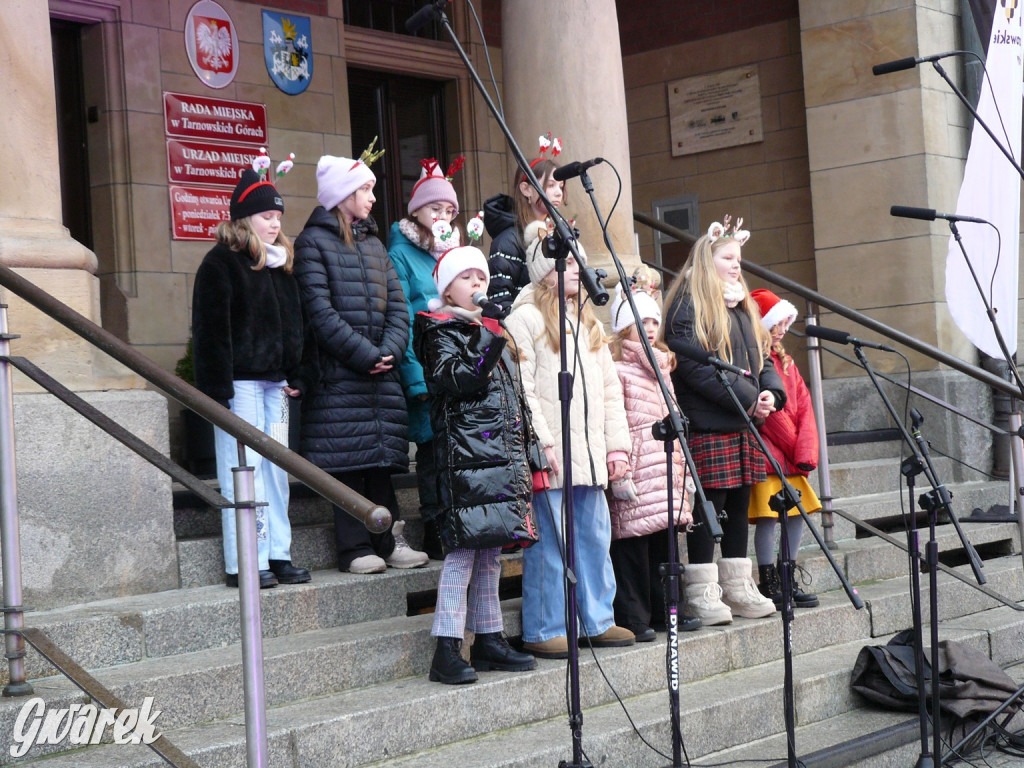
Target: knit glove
<point>624,489</point>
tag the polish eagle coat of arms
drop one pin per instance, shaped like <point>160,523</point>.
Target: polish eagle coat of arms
<point>211,43</point>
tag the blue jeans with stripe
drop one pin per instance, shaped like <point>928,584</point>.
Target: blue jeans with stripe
<point>264,405</point>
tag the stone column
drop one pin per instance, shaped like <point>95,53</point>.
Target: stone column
<point>32,237</point>
<point>874,142</point>
<point>562,68</point>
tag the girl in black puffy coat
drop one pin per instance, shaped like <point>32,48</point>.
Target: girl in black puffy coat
<point>354,422</point>
<point>481,447</point>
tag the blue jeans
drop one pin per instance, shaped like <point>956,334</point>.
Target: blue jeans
<point>543,592</point>
<point>264,405</point>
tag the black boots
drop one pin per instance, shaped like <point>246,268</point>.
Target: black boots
<point>448,666</point>
<point>770,585</point>
<point>491,651</point>
<point>287,573</point>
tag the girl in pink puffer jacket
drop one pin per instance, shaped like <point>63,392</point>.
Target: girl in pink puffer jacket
<point>639,505</point>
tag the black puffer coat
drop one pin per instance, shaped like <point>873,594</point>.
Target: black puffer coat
<point>481,428</point>
<point>355,306</point>
<point>507,259</point>
<point>701,396</point>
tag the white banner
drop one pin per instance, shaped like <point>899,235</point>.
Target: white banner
<point>991,191</point>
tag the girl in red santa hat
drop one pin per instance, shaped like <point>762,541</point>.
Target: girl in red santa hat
<point>791,434</point>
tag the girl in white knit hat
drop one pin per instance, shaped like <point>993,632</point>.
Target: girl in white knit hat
<point>354,421</point>
<point>639,502</point>
<point>600,451</point>
<point>481,445</point>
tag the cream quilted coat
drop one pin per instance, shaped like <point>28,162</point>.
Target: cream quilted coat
<point>597,420</point>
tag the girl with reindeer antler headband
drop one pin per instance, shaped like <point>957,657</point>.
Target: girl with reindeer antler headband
<point>248,344</point>
<point>416,243</point>
<point>354,422</point>
<point>506,218</point>
<point>708,307</point>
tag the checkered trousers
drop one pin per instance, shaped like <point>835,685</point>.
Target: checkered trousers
<point>467,595</point>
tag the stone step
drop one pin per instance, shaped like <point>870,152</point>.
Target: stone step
<point>370,679</point>
<point>868,476</point>
<point>887,509</point>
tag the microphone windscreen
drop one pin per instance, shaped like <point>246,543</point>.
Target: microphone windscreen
<point>828,334</point>
<point>894,66</point>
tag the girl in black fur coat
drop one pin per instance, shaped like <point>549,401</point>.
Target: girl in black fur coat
<point>247,339</point>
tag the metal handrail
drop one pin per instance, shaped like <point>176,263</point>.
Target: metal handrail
<point>375,517</point>
<point>850,314</point>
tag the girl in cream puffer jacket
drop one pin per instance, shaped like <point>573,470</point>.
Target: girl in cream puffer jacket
<point>599,442</point>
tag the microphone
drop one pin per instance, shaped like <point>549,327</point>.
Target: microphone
<point>574,169</point>
<point>930,214</point>
<point>701,355</point>
<point>418,20</point>
<point>842,337</point>
<point>908,63</point>
<point>481,300</point>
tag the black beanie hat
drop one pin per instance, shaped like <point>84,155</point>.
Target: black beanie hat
<point>254,195</point>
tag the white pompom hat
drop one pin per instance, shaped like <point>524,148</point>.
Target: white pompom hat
<point>453,263</point>
<point>339,177</point>
<point>622,315</point>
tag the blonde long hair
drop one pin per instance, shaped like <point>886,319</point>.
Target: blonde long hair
<point>545,298</point>
<point>700,281</point>
<point>238,235</point>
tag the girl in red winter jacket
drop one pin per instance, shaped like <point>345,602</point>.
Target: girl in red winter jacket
<point>791,434</point>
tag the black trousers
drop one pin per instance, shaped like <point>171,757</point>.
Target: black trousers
<point>351,538</point>
<point>639,592</point>
<point>700,547</point>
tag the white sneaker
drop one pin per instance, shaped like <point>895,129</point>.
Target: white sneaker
<point>367,564</point>
<point>404,556</point>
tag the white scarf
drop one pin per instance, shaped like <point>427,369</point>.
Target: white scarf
<point>733,293</point>
<point>276,255</point>
<point>437,249</point>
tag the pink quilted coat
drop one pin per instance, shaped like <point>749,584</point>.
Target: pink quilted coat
<point>644,406</point>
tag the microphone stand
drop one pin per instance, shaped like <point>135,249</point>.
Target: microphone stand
<point>974,113</point>
<point>558,246</point>
<point>910,468</point>
<point>668,430</point>
<point>781,503</point>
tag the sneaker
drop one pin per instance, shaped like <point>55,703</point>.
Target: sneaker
<point>555,648</point>
<point>613,637</point>
<point>403,555</point>
<point>366,564</point>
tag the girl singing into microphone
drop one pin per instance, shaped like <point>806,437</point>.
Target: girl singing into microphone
<point>709,306</point>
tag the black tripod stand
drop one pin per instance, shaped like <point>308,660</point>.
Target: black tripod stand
<point>669,430</point>
<point>938,498</point>
<point>781,503</point>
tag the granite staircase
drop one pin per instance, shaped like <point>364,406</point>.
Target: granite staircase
<point>346,658</point>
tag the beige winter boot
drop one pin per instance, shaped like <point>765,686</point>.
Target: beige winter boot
<point>703,596</point>
<point>739,591</point>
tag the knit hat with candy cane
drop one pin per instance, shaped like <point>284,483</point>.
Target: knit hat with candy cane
<point>435,186</point>
<point>452,264</point>
<point>773,309</point>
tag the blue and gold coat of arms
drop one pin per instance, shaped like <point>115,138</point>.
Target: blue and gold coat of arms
<point>288,51</point>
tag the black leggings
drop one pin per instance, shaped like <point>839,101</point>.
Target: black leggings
<point>700,547</point>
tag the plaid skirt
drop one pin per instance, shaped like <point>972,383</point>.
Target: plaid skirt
<point>727,460</point>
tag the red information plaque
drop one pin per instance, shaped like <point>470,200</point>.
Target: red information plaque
<point>196,212</point>
<point>201,162</point>
<point>203,117</point>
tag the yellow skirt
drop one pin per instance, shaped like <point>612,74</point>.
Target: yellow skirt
<point>762,492</point>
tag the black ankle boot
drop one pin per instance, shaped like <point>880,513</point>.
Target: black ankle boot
<point>448,666</point>
<point>801,599</point>
<point>287,573</point>
<point>769,584</point>
<point>491,651</point>
<point>432,540</point>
